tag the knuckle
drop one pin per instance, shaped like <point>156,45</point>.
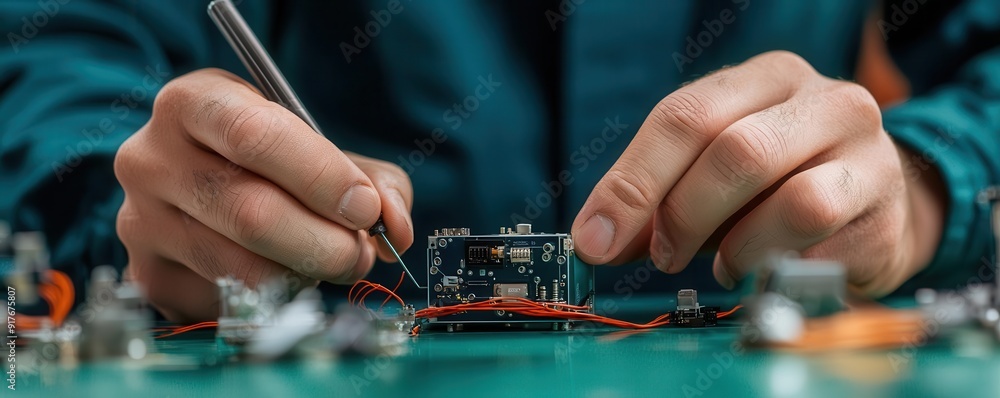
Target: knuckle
<point>685,110</point>
<point>250,268</point>
<point>678,218</point>
<point>174,94</point>
<point>200,256</point>
<point>253,216</point>
<point>345,261</point>
<point>857,101</point>
<point>319,188</point>
<point>395,171</point>
<point>746,157</point>
<point>787,62</point>
<point>813,211</point>
<point>332,261</point>
<point>127,223</point>
<point>630,190</point>
<point>210,190</point>
<point>253,130</point>
<point>125,163</point>
<point>400,180</point>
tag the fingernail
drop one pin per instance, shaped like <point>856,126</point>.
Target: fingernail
<point>661,251</point>
<point>359,205</point>
<point>721,273</point>
<point>397,201</point>
<point>596,235</point>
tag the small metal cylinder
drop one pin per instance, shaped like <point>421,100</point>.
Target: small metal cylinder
<point>523,229</point>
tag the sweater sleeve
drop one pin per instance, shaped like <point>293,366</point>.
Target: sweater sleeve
<point>953,124</point>
<point>76,79</point>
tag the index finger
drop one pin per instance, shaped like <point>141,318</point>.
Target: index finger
<point>224,114</point>
<point>674,134</point>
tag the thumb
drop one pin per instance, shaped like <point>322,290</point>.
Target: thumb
<point>618,209</point>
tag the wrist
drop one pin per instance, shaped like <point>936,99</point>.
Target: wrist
<point>927,205</point>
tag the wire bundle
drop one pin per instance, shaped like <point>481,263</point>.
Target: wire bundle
<point>366,288</point>
<point>58,292</point>
<point>362,289</point>
<point>869,328</point>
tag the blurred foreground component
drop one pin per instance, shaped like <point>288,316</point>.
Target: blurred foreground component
<point>112,324</point>
<point>30,261</point>
<point>977,304</point>
<point>115,319</point>
<point>264,325</point>
<point>788,290</point>
<point>801,305</point>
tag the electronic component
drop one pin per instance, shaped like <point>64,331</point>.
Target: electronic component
<point>818,286</point>
<point>264,324</point>
<point>687,299</point>
<point>510,290</point>
<point>788,292</point>
<point>516,263</point>
<point>484,252</point>
<point>977,303</point>
<point>690,313</point>
<point>116,321</point>
<point>31,259</point>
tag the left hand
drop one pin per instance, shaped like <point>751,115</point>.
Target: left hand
<point>767,154</point>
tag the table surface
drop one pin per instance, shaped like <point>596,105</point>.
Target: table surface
<point>585,362</point>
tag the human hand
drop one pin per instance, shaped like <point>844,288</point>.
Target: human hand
<point>765,155</point>
<point>221,181</point>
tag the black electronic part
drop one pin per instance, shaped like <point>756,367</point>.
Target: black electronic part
<point>378,228</point>
<point>690,313</point>
<point>478,252</point>
<point>704,316</point>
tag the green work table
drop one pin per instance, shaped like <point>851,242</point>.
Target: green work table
<point>584,362</point>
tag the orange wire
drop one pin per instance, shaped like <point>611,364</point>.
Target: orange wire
<point>730,312</point>
<point>59,294</point>
<point>185,329</point>
<point>362,289</point>
<point>374,287</point>
<point>350,293</point>
<point>398,284</point>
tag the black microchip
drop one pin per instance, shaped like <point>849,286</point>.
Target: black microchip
<point>704,316</point>
<point>479,252</point>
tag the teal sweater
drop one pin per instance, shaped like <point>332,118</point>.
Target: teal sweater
<point>486,105</point>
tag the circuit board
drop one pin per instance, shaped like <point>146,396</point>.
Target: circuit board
<point>464,268</point>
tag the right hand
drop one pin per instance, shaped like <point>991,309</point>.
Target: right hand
<point>221,181</point>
